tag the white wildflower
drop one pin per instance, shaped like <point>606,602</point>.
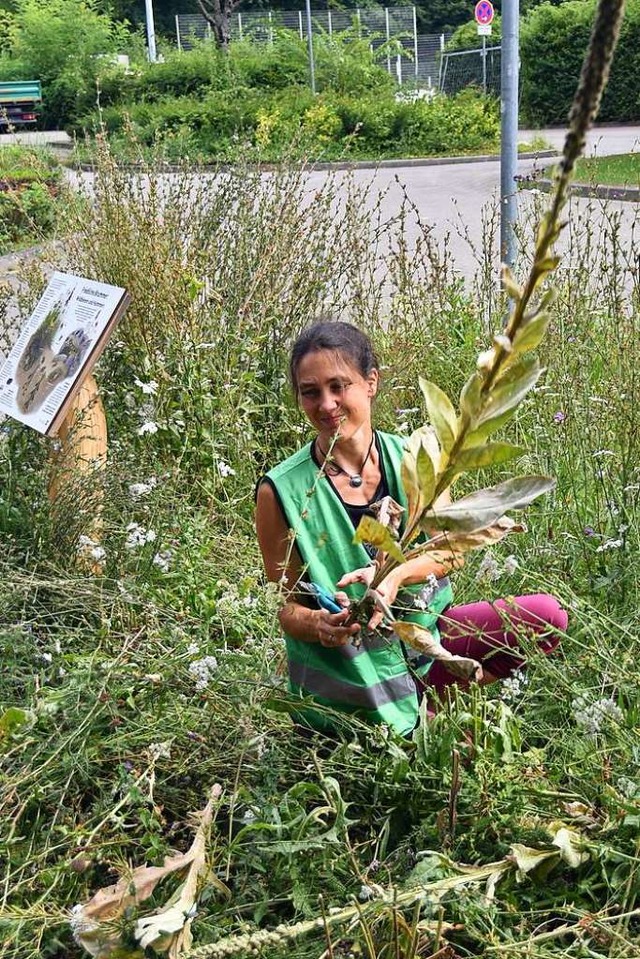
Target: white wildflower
<point>224,469</point>
<point>57,647</point>
<point>138,536</point>
<point>193,649</point>
<point>250,601</point>
<point>511,564</point>
<point>603,453</point>
<point>149,389</point>
<point>202,670</point>
<point>159,751</point>
<point>366,893</point>
<point>97,553</point>
<point>590,716</point>
<point>402,427</point>
<point>627,787</point>
<point>610,544</point>
<point>61,672</point>
<point>427,592</point>
<point>136,490</point>
<point>163,560</point>
<point>488,568</point>
<point>47,657</point>
<point>248,818</point>
<point>148,427</point>
<point>513,686</point>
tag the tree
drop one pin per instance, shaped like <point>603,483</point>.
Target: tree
<point>217,13</point>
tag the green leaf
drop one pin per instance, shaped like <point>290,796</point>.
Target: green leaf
<point>410,484</point>
<point>441,413</point>
<point>482,508</point>
<point>11,720</point>
<point>371,531</point>
<point>504,398</point>
<point>531,335</point>
<point>470,396</point>
<point>479,457</point>
<point>511,287</point>
<point>426,476</point>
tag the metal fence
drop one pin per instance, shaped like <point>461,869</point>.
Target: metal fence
<point>415,60</point>
<point>464,68</point>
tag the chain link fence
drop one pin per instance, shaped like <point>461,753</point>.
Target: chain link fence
<point>416,59</point>
<point>463,68</point>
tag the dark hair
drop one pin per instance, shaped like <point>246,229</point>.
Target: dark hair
<point>343,338</point>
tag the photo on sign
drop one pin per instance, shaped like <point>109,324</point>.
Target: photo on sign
<point>56,349</point>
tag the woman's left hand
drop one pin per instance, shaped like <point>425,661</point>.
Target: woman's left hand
<point>387,590</point>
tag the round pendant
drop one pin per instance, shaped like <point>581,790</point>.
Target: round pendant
<point>355,480</point>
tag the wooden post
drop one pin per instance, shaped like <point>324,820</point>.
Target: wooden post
<point>82,450</point>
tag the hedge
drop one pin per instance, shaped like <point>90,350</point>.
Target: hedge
<point>553,44</point>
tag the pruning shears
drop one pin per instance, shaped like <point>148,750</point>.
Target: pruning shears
<point>323,597</point>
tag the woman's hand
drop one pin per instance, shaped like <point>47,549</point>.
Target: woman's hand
<point>331,629</point>
<point>387,590</point>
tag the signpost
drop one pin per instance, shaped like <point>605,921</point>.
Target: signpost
<point>484,13</point>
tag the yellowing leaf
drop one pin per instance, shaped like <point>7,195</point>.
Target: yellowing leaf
<point>371,531</point>
<point>441,413</point>
<point>527,859</point>
<point>571,846</point>
<point>426,476</point>
<point>511,288</point>
<point>425,642</point>
<point>462,542</point>
<point>483,508</point>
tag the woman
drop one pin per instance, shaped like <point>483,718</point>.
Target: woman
<point>307,511</point>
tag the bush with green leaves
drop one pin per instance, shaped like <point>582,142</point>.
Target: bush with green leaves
<point>63,44</point>
<point>553,43</point>
<point>32,197</point>
<point>216,127</point>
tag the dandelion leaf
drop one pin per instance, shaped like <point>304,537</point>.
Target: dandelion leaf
<point>441,413</point>
<point>371,531</point>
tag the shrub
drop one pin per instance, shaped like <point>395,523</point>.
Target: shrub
<point>29,191</point>
<point>60,43</point>
<point>554,40</point>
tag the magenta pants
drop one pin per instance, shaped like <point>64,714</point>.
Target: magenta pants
<point>491,633</point>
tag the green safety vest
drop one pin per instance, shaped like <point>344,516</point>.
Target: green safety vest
<point>373,680</point>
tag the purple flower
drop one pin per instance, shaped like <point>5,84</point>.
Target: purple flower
<point>559,417</point>
<point>589,531</point>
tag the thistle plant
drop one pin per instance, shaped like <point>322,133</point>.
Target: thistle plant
<point>455,442</point>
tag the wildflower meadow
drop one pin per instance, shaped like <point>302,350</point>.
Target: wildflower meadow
<point>156,798</point>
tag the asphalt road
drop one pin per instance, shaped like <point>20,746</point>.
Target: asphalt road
<point>460,200</point>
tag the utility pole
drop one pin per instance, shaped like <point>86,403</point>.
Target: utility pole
<point>312,66</point>
<point>151,31</point>
<point>509,70</point>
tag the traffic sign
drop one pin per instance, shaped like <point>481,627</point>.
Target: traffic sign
<point>483,12</point>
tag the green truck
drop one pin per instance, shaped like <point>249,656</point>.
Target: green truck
<point>20,103</point>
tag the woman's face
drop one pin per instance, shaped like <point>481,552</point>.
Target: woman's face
<point>334,395</point>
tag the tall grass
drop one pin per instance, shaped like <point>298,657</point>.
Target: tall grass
<point>141,688</point>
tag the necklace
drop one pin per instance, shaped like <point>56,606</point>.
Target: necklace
<point>333,468</point>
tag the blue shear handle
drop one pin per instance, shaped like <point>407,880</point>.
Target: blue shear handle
<point>326,599</point>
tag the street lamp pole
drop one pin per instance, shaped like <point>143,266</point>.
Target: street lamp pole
<point>151,31</point>
<point>509,70</point>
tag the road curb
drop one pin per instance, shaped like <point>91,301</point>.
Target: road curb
<point>591,191</point>
<point>339,164</point>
